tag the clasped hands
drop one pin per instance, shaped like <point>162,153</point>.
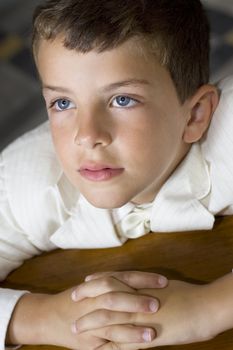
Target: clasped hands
<point>130,311</point>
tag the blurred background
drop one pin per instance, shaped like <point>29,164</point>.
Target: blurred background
<point>20,98</point>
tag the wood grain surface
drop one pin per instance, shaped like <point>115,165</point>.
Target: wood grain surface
<point>197,256</point>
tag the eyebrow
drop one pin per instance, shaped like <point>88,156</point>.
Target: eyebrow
<point>129,82</point>
<point>55,88</point>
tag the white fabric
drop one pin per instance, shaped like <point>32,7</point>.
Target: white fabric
<point>40,210</point>
<point>136,223</point>
<point>11,297</point>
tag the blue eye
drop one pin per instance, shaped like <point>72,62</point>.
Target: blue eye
<point>62,104</point>
<point>124,101</point>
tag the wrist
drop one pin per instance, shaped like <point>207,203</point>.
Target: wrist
<point>219,296</point>
<point>28,321</point>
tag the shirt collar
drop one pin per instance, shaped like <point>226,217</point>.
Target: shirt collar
<point>178,205</point>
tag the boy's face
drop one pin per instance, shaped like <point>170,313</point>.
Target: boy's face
<point>116,121</point>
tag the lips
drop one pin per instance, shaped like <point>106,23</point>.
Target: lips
<point>99,172</point>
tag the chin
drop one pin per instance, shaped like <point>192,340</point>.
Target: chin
<point>106,202</point>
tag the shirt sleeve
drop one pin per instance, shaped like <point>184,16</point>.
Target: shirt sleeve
<point>8,300</point>
<point>15,247</point>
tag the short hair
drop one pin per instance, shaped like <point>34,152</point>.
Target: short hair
<point>178,29</point>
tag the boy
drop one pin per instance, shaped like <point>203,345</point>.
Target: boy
<point>126,89</point>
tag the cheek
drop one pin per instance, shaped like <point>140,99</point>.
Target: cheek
<point>153,146</point>
<point>142,138</point>
<point>140,150</point>
<point>136,130</point>
<point>62,144</point>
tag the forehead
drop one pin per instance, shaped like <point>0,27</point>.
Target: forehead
<point>133,50</point>
<point>130,61</point>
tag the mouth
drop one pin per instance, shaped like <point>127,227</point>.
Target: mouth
<point>98,172</point>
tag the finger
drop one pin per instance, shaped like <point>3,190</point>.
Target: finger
<point>126,334</point>
<point>115,346</point>
<point>134,279</point>
<point>120,302</point>
<point>96,287</point>
<point>103,318</point>
<point>126,302</point>
<point>123,346</point>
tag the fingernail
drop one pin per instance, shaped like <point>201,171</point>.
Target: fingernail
<point>162,281</point>
<point>74,328</point>
<point>88,278</point>
<point>74,296</point>
<point>153,306</point>
<point>147,335</point>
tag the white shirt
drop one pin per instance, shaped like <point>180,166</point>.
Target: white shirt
<point>41,211</point>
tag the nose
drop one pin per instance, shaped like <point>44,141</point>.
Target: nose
<point>92,131</point>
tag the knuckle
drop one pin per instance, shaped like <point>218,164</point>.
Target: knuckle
<point>127,277</point>
<point>108,333</point>
<point>90,343</point>
<point>135,318</point>
<point>80,325</point>
<point>107,283</point>
<point>98,344</point>
<point>108,300</point>
<point>132,317</point>
<point>104,317</point>
<point>115,346</point>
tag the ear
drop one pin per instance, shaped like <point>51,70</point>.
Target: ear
<point>201,107</point>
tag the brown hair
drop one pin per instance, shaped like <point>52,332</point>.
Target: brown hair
<point>179,30</point>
